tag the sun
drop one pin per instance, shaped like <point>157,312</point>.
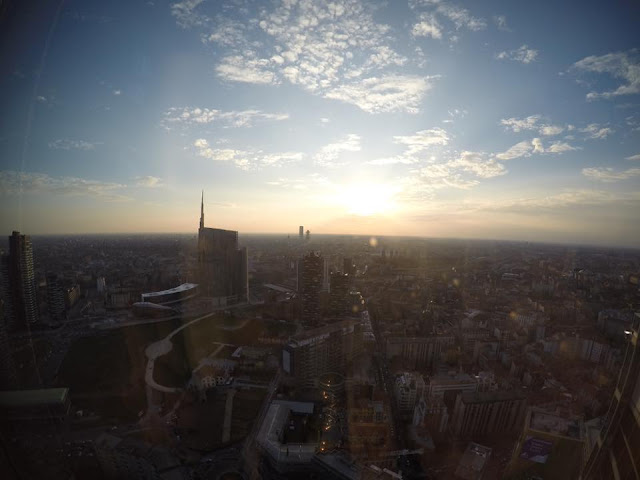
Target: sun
<point>367,199</point>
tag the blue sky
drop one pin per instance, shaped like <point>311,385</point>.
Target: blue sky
<point>515,120</point>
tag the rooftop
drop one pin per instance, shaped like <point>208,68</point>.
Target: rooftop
<point>32,398</point>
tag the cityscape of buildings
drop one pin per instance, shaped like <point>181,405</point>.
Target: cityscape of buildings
<point>327,357</point>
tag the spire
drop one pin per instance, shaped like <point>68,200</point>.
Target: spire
<point>202,211</point>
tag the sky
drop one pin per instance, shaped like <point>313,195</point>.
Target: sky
<point>493,119</point>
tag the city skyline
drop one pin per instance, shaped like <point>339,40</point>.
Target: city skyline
<point>422,118</point>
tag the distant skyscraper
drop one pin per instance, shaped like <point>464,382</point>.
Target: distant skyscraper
<point>310,270</point>
<point>8,318</point>
<point>348,267</point>
<point>7,370</point>
<point>339,300</point>
<point>55,298</point>
<point>301,232</point>
<point>22,280</point>
<point>222,265</point>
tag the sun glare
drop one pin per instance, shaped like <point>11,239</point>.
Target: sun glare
<point>367,199</point>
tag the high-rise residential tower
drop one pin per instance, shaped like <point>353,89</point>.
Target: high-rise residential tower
<point>310,273</point>
<point>222,266</point>
<point>22,280</point>
<point>55,299</point>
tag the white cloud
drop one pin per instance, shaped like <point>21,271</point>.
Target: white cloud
<point>624,66</point>
<point>607,174</point>
<point>239,68</point>
<point>596,132</point>
<point>533,122</point>
<point>427,26</point>
<point>66,144</point>
<point>538,147</point>
<point>245,159</point>
<point>633,157</point>
<point>18,183</point>
<point>461,17</point>
<point>422,140</point>
<point>117,92</point>
<point>560,147</point>
<point>524,54</point>
<point>550,130</point>
<point>149,182</point>
<point>185,13</point>
<point>473,162</point>
<point>520,149</point>
<point>239,118</point>
<point>520,124</point>
<point>390,93</point>
<point>329,154</point>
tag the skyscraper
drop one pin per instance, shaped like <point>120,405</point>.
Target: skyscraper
<point>301,232</point>
<point>310,271</point>
<point>22,280</point>
<point>339,301</point>
<point>55,298</point>
<point>222,266</point>
<point>7,370</point>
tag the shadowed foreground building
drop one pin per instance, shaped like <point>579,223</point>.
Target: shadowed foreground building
<point>550,446</point>
<point>486,413</point>
<point>322,350</point>
<point>222,266</point>
<point>616,453</point>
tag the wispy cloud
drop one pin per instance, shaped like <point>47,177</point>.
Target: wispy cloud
<point>520,149</point>
<point>245,69</point>
<point>390,93</point>
<point>624,66</point>
<point>501,22</point>
<point>478,164</point>
<point>199,116</point>
<point>245,159</point>
<point>415,145</point>
<point>560,147</point>
<point>435,16</point>
<point>633,157</point>
<point>520,124</point>
<point>329,155</point>
<point>67,144</point>
<point>607,174</point>
<point>422,140</point>
<point>149,182</point>
<point>18,183</point>
<point>597,132</point>
<point>427,26</point>
<point>524,54</point>
<point>186,14</point>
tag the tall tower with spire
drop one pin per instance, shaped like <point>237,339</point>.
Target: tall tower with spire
<point>202,211</point>
<point>222,265</point>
